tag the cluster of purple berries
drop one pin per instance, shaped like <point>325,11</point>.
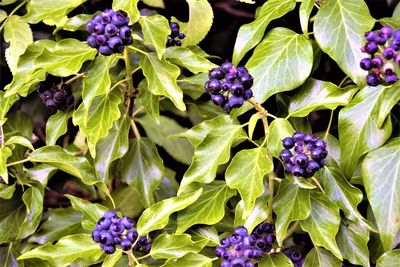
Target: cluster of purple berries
<point>304,154</point>
<point>112,231</point>
<point>243,250</point>
<point>229,86</point>
<point>109,32</point>
<point>296,257</point>
<point>383,47</point>
<point>57,97</point>
<point>173,38</point>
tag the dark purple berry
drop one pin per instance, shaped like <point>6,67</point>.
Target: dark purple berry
<point>181,36</point>
<point>298,137</point>
<point>227,107</point>
<point>92,41</point>
<point>213,86</point>
<point>105,238</point>
<point>366,64</point>
<point>111,29</point>
<point>96,235</point>
<point>101,39</point>
<point>105,50</point>
<point>218,99</point>
<point>109,249</point>
<point>109,214</point>
<point>174,25</point>
<point>370,36</point>
<point>377,62</point>
<point>219,252</point>
<point>388,53</point>
<point>216,73</point>
<point>142,241</point>
<point>127,222</point>
<point>126,244</point>
<point>132,235</point>
<point>247,81</point>
<point>51,104</point>
<point>90,26</point>
<point>387,30</point>
<point>235,238</point>
<point>103,224</point>
<point>301,160</point>
<point>116,229</point>
<point>248,93</point>
<point>236,89</point>
<point>391,78</point>
<point>237,262</point>
<point>178,43</point>
<point>373,79</point>
<point>297,171</point>
<point>118,19</point>
<point>371,48</point>
<point>226,263</point>
<point>286,154</point>
<point>69,99</point>
<point>236,101</point>
<point>242,231</point>
<point>98,28</point>
<point>226,66</point>
<point>125,32</point>
<point>288,142</point>
<point>397,59</point>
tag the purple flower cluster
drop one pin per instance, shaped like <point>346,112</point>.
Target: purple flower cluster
<point>382,46</point>
<point>173,38</point>
<point>229,86</point>
<point>296,257</point>
<point>304,154</point>
<point>243,250</point>
<point>112,231</point>
<point>109,32</point>
<point>56,97</point>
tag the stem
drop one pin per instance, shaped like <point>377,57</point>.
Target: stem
<point>253,142</point>
<point>79,75</point>
<point>135,129</point>
<point>132,261</point>
<point>128,77</point>
<point>329,126</point>
<point>17,162</point>
<point>342,82</point>
<point>1,136</point>
<point>12,13</point>
<point>263,114</point>
<point>137,111</point>
<point>137,50</point>
<point>143,257</point>
<point>118,83</point>
<point>317,184</point>
<point>271,195</point>
<point>292,229</point>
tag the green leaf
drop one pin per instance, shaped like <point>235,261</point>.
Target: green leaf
<point>112,147</point>
<point>157,216</point>
<point>320,257</point>
<point>390,98</point>
<point>148,101</point>
<point>5,153</point>
<point>6,191</point>
<point>41,173</point>
<point>275,260</point>
<point>339,29</point>
<point>18,33</point>
<point>170,246</point>
<point>389,259</point>
<point>200,21</point>
<point>155,3</point>
<point>19,122</point>
<point>61,222</point>
<point>252,124</point>
<point>112,259</point>
<point>246,174</point>
<point>256,216</point>
<point>129,7</point>
<point>67,250</point>
<point>49,11</point>
<point>213,151</point>
<point>305,9</point>
<point>180,150</point>
<point>155,31</point>
<point>250,35</point>
<point>193,86</point>
<point>91,212</point>
<point>161,77</point>
<point>143,169</point>
<point>357,123</point>
<point>323,223</point>
<point>61,59</point>
<point>33,200</point>
<point>3,15</point>
<point>282,53</point>
<point>352,240</point>
<point>279,129</point>
<point>381,178</point>
<point>316,95</point>
<point>56,126</point>
<point>185,57</point>
<point>208,209</point>
<point>74,23</point>
<point>59,158</point>
<point>6,103</point>
<point>190,259</point>
<point>292,203</point>
<point>343,194</point>
<point>127,200</point>
<point>7,2</point>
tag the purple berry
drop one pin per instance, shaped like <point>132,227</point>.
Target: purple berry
<point>51,104</point>
<point>103,224</point>
<point>105,238</point>
<point>109,249</point>
<point>178,43</point>
<point>397,59</point>
<point>105,50</point>
<point>90,26</point>
<point>127,222</point>
<point>181,36</point>
<point>242,231</point>
<point>366,64</point>
<point>125,32</point>
<point>219,252</point>
<point>118,19</point>
<point>216,73</point>
<point>213,86</point>
<point>92,41</point>
<point>301,160</point>
<point>371,48</point>
<point>218,99</point>
<point>236,89</point>
<point>237,262</point>
<point>115,43</point>
<point>98,28</point>
<point>288,142</point>
<point>126,244</point>
<point>373,79</point>
<point>377,62</point>
<point>248,93</point>
<point>370,36</point>
<point>225,242</point>
<point>132,235</point>
<point>116,229</point>
<point>247,81</point>
<point>286,154</point>
<point>226,66</point>
<point>109,214</point>
<point>391,78</point>
<point>297,171</point>
<point>96,236</point>
<point>388,53</point>
<point>101,39</point>
<point>236,101</point>
<point>111,29</point>
<point>387,30</point>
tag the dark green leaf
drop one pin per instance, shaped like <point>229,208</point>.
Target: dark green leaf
<point>6,103</point>
<point>193,86</point>
<point>170,246</point>
<point>41,173</point>
<point>127,200</point>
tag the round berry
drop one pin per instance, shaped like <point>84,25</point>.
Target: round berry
<point>109,214</point>
<point>125,32</point>
<point>114,42</point>
<point>236,89</point>
<point>226,263</point>
<point>242,231</point>
<point>90,26</point>
<point>96,235</point>
<point>219,252</point>
<point>370,36</point>
<point>142,241</point>
<point>237,262</point>
<point>371,48</point>
<point>225,242</point>
<point>247,81</point>
<point>395,44</point>
<point>126,244</point>
<point>227,107</point>
<point>111,29</point>
<point>132,235</point>
<point>147,248</point>
<point>174,25</point>
<point>297,171</point>
<point>118,19</point>
<point>181,36</point>
<point>105,50</point>
<point>288,142</point>
<point>225,86</point>
<point>101,39</point>
<point>109,249</point>
<point>178,43</point>
<point>298,137</point>
<point>397,59</point>
<point>388,68</point>
<point>249,240</point>
<point>116,229</point>
<point>227,66</point>
<point>218,99</point>
<point>98,28</point>
<point>236,101</point>
<point>69,99</point>
<point>387,30</point>
<point>377,62</point>
<point>235,238</point>
<point>301,160</point>
<point>213,86</point>
<point>103,224</point>
<point>391,78</point>
<point>216,73</point>
<point>92,41</point>
<point>366,64</point>
<point>48,94</point>
<point>127,222</point>
<point>249,264</point>
<point>105,238</point>
<point>373,79</point>
<point>248,93</point>
<point>51,104</point>
<point>286,154</point>
<point>388,53</point>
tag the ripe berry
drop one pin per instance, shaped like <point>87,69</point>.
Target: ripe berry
<point>96,236</point>
<point>172,41</point>
<point>388,53</point>
<point>105,238</point>
<point>373,79</point>
<point>366,64</point>
<point>105,50</point>
<point>391,78</point>
<point>101,39</point>
<point>216,73</point>
<point>236,101</point>
<point>109,249</point>
<point>92,41</point>
<point>125,32</point>
<point>227,66</point>
<point>370,36</point>
<point>377,62</point>
<point>103,224</point>
<point>288,142</point>
<point>371,48</point>
<point>115,42</point>
<point>118,19</point>
<point>247,94</point>
<point>387,30</point>
<point>286,154</point>
<point>98,28</point>
<point>126,244</point>
<point>242,231</point>
<point>111,29</point>
<point>236,89</point>
<point>181,36</point>
<point>218,99</point>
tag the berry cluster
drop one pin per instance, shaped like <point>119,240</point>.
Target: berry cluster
<point>229,86</point>
<point>243,250</point>
<point>304,154</point>
<point>172,41</point>
<point>383,46</point>
<point>112,230</point>
<point>296,257</point>
<point>109,32</point>
<point>57,97</point>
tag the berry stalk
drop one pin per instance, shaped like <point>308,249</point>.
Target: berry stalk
<point>128,78</point>
<point>263,114</point>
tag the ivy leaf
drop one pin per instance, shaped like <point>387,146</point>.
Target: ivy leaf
<point>389,259</point>
<point>126,199</point>
<point>357,123</point>
<point>208,209</point>
<point>305,9</point>
<point>199,24</point>
<point>193,86</point>
<point>129,7</point>
<point>155,31</point>
<point>339,29</point>
<point>5,153</point>
<point>3,15</point>
<point>320,257</point>
<point>74,23</point>
<point>6,191</point>
<point>316,95</point>
<point>250,35</point>
<point>148,101</point>
<point>323,223</point>
<point>6,103</point>
<point>352,240</point>
<point>246,174</point>
<point>18,33</point>
<point>390,98</point>
<point>282,53</point>
<point>256,216</point>
<point>143,169</point>
<point>185,57</point>
<point>33,200</point>
<point>155,3</point>
<point>343,194</point>
<point>213,151</point>
<point>41,173</point>
<point>161,78</point>
<point>383,193</point>
<point>59,158</point>
<point>67,250</point>
<point>279,129</point>
<point>112,147</point>
<point>292,203</point>
<point>157,216</point>
<point>49,11</point>
<point>56,126</point>
<point>112,259</point>
<point>275,260</point>
<point>190,259</point>
<point>170,246</point>
<point>91,212</point>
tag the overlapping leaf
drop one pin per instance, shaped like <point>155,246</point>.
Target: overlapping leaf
<point>170,246</point>
<point>275,260</point>
<point>320,257</point>
<point>155,31</point>
<point>186,58</point>
<point>279,129</point>
<point>128,6</point>
<point>56,126</point>
<point>50,11</point>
